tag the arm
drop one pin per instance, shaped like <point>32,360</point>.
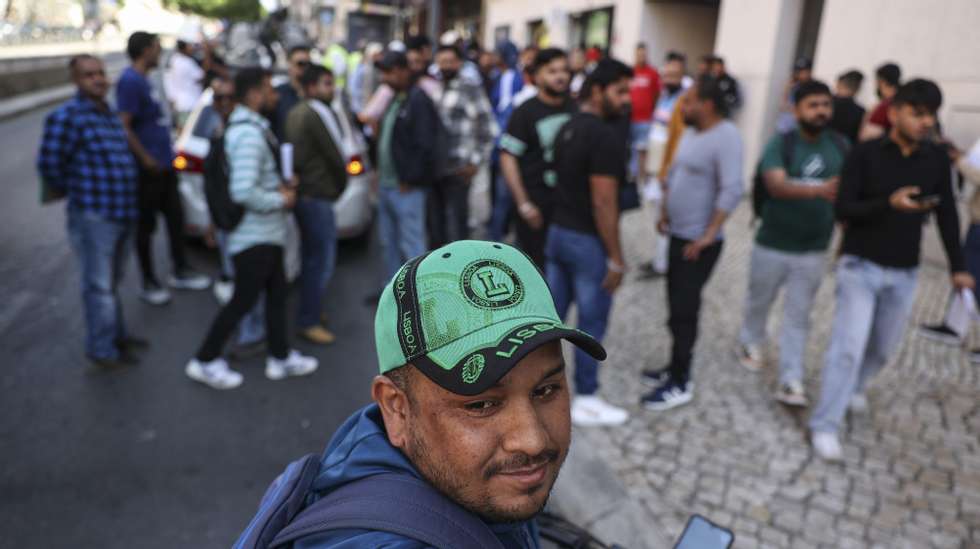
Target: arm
<point>424,119</point>
<point>605,210</point>
<point>144,158</point>
<point>730,191</point>
<point>970,171</point>
<point>850,205</point>
<point>58,140</point>
<point>779,186</point>
<point>245,171</point>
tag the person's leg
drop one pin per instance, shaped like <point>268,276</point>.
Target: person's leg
<point>148,206</point>
<point>436,206</point>
<point>557,271</point>
<point>768,270</point>
<point>503,204</point>
<point>276,291</point>
<point>686,280</point>
<point>971,252</point>
<point>594,303</point>
<point>802,283</point>
<point>94,240</point>
<point>857,282</point>
<point>313,249</point>
<point>329,242</point>
<point>227,268</point>
<point>388,227</point>
<point>891,316</point>
<point>173,214</point>
<point>457,209</point>
<point>252,268</point>
<point>123,248</point>
<point>410,209</point>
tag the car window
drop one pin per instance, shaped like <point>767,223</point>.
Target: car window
<point>207,123</point>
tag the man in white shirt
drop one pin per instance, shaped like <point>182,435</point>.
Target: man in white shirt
<point>184,80</point>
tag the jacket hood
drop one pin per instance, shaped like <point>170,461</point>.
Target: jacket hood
<point>508,53</point>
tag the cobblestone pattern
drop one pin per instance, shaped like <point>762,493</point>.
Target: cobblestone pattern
<point>911,477</point>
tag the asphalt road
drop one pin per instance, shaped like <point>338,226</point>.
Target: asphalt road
<point>144,457</point>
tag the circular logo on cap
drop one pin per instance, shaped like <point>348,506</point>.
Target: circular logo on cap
<point>491,284</point>
<point>473,367</point>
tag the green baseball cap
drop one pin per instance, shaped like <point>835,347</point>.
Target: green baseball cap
<point>466,313</point>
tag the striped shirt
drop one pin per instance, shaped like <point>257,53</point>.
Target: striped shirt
<point>85,154</point>
<point>254,182</point>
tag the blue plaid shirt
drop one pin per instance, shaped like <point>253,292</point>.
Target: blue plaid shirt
<point>85,154</point>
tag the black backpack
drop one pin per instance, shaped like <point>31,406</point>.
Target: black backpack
<point>226,214</point>
<point>760,194</point>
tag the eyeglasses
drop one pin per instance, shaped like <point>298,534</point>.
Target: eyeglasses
<point>221,97</point>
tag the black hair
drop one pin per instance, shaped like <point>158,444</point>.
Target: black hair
<point>675,56</point>
<point>709,88</point>
<point>717,59</point>
<point>249,79</point>
<point>312,74</point>
<point>402,377</point>
<point>139,42</point>
<point>545,56</point>
<point>452,48</point>
<point>707,58</point>
<point>851,79</point>
<point>297,48</point>
<point>417,42</point>
<point>641,45</point>
<point>606,73</point>
<point>889,73</point>
<point>917,93</point>
<point>810,87</point>
<point>76,59</point>
<point>181,45</point>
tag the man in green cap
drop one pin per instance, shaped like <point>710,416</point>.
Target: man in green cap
<point>472,400</point>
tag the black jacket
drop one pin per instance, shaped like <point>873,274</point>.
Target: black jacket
<point>418,141</point>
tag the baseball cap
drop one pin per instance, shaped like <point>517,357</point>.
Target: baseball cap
<point>391,59</point>
<point>466,313</point>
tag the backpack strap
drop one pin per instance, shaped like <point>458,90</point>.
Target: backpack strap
<point>788,146</point>
<point>397,504</point>
<point>284,498</point>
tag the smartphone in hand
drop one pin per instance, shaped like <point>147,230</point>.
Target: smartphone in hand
<point>701,533</point>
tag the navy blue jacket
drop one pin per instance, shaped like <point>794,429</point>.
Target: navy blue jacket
<point>418,141</point>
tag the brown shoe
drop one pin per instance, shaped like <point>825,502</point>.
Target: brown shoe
<point>318,335</point>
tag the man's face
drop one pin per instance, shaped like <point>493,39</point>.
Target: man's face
<point>397,77</point>
<point>498,453</point>
<point>323,89</point>
<point>802,75</point>
<point>298,62</point>
<point>717,69</point>
<point>269,95</point>
<point>526,58</point>
<point>153,55</point>
<point>640,57</point>
<point>577,60</point>
<point>417,61</point>
<point>813,112</point>
<point>616,99</point>
<point>449,64</point>
<point>553,78</point>
<point>89,76</point>
<point>224,97</point>
<point>692,107</point>
<point>913,123</point>
<point>672,75</point>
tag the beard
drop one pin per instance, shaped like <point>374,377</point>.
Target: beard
<point>548,90</point>
<point>813,126</point>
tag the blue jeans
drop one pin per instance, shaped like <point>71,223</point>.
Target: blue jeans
<point>102,247</point>
<point>575,268</point>
<point>401,220</point>
<point>318,238</point>
<point>251,329</point>
<point>503,206</point>
<point>873,306</point>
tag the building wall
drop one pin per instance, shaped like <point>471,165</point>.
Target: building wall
<point>687,28</point>
<point>935,40</point>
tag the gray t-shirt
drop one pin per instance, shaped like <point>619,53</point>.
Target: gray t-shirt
<point>706,175</point>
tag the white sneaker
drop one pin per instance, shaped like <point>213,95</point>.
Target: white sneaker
<point>293,365</point>
<point>189,280</point>
<point>858,404</point>
<point>792,394</point>
<point>827,446</point>
<point>155,295</point>
<point>223,290</point>
<point>215,374</point>
<point>591,410</point>
<point>750,356</point>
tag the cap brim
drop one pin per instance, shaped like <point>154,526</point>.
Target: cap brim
<point>479,360</point>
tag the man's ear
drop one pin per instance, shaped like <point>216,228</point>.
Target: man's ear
<point>394,409</point>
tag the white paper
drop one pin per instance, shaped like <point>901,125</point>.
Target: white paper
<point>973,156</point>
<point>962,309</point>
<point>286,154</point>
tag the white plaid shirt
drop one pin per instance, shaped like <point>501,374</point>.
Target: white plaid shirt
<point>469,121</point>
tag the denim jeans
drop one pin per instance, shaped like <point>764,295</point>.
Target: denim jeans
<point>318,238</point>
<point>401,220</point>
<point>251,329</point>
<point>575,268</point>
<point>800,274</point>
<point>102,247</point>
<point>873,305</point>
<point>503,208</point>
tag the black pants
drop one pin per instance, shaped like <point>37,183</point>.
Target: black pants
<point>256,269</point>
<point>448,208</point>
<point>531,240</point>
<point>158,193</point>
<point>685,281</point>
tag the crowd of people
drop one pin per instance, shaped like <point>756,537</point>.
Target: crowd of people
<point>563,139</point>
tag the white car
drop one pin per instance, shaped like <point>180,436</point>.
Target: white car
<point>354,209</point>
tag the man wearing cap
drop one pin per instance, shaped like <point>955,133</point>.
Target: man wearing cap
<point>472,398</point>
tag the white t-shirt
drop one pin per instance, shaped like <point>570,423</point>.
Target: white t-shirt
<point>183,82</point>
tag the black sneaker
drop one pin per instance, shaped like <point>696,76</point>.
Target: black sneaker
<point>647,272</point>
<point>655,378</point>
<point>670,395</point>
<point>124,359</point>
<point>132,344</point>
<point>941,333</point>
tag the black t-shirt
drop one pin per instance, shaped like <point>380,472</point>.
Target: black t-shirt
<point>586,146</point>
<point>847,118</point>
<point>530,136</point>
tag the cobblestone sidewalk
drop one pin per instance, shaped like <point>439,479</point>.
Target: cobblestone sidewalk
<point>911,477</point>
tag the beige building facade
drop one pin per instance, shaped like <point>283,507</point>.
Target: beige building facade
<point>760,39</point>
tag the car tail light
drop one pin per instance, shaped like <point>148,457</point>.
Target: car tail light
<point>188,163</point>
<point>355,166</point>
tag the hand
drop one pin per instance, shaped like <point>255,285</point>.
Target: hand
<point>693,250</point>
<point>828,190</point>
<point>963,281</point>
<point>613,279</point>
<point>288,197</point>
<point>901,200</point>
<point>151,165</point>
<point>294,181</point>
<point>531,214</point>
<point>467,172</point>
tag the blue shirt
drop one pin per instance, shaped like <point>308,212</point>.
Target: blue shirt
<point>151,124</point>
<point>84,153</point>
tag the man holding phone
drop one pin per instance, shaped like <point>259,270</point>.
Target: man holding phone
<point>887,187</point>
